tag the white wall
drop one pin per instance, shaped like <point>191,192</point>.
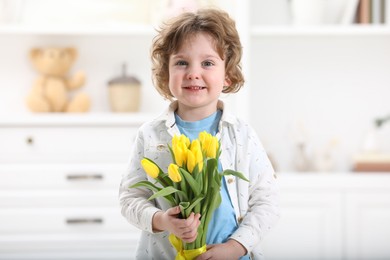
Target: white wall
<point>333,86</point>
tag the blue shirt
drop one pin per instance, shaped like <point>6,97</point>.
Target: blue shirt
<point>223,222</point>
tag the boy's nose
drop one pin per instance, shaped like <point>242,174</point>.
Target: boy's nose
<point>193,76</point>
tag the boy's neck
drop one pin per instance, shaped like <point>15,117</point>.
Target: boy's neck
<point>194,114</point>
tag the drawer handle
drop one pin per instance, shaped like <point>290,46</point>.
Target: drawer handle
<point>30,140</point>
<point>84,221</point>
<point>84,177</point>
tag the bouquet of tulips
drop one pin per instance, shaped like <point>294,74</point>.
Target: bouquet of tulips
<point>193,182</point>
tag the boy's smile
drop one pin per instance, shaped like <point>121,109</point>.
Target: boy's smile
<point>197,77</point>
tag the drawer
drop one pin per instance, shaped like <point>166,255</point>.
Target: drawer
<point>61,176</point>
<point>58,198</point>
<point>66,144</point>
<point>64,220</point>
<point>69,246</point>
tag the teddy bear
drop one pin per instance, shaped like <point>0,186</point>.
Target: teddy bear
<point>53,90</point>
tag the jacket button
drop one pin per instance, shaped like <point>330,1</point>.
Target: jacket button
<point>160,147</point>
<point>230,180</point>
<point>240,218</point>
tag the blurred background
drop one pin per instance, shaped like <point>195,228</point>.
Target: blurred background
<point>316,92</point>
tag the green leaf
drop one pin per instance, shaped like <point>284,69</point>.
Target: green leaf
<point>166,179</point>
<point>214,196</point>
<point>212,166</point>
<point>146,184</point>
<point>183,206</point>
<point>193,204</point>
<point>183,186</point>
<point>172,154</point>
<point>235,173</point>
<point>164,193</point>
<point>198,240</point>
<point>191,181</point>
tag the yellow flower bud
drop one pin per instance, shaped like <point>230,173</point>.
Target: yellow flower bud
<point>197,152</point>
<point>150,168</point>
<point>212,148</point>
<point>199,159</point>
<point>180,153</point>
<point>173,172</point>
<point>175,140</point>
<point>191,161</point>
<point>203,136</point>
<point>205,142</point>
<point>185,140</point>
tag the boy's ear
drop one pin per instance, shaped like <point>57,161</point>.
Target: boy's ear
<point>227,82</point>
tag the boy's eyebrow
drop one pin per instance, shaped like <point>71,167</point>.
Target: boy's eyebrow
<point>182,56</point>
<point>177,56</point>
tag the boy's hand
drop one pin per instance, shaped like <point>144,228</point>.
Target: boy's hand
<point>230,250</point>
<point>185,229</point>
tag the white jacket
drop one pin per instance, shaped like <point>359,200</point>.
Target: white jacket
<point>255,203</point>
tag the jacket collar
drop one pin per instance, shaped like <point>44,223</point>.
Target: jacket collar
<point>168,116</point>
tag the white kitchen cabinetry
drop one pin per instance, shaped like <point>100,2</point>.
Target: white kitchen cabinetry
<point>368,228</point>
<point>332,216</point>
<point>59,187</point>
<point>310,227</point>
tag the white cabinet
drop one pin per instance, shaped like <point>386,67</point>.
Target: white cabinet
<point>332,216</point>
<point>310,227</point>
<point>368,228</point>
<point>59,187</point>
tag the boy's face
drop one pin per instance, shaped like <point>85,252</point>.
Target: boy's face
<point>197,75</point>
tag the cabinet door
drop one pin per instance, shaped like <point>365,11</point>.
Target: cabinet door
<point>309,228</point>
<point>368,225</point>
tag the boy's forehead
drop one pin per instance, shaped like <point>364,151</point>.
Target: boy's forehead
<point>188,40</point>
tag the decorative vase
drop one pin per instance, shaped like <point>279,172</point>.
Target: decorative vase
<point>124,93</point>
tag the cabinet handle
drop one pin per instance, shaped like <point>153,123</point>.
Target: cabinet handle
<point>84,221</point>
<point>84,177</point>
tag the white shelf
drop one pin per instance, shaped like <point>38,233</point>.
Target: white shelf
<point>87,119</point>
<point>331,30</point>
<point>84,30</point>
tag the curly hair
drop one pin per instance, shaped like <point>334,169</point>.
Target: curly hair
<point>172,34</point>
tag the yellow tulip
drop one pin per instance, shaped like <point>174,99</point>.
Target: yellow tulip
<point>197,152</point>
<point>191,161</point>
<point>173,172</point>
<point>180,146</point>
<point>202,136</point>
<point>199,159</point>
<point>175,140</point>
<point>180,139</point>
<point>205,138</point>
<point>209,144</point>
<point>150,168</point>
<point>180,153</point>
<point>185,140</point>
<point>213,147</point>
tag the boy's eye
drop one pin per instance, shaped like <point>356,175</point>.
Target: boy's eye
<point>207,63</point>
<point>181,63</point>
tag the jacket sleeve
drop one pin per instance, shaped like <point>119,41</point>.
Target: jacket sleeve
<point>261,193</point>
<point>134,203</point>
